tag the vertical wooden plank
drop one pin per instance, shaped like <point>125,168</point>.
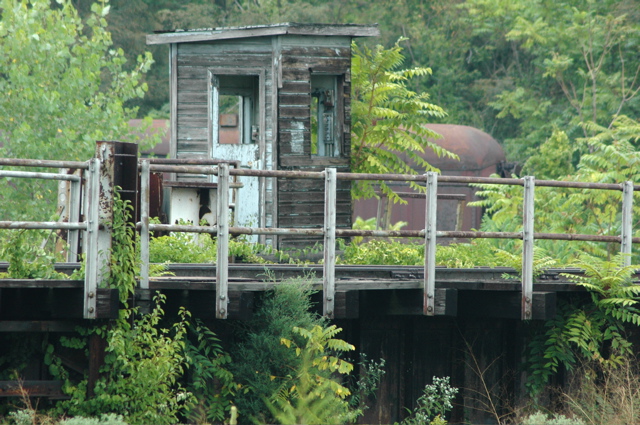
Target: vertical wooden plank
<point>429,303</point>
<point>97,347</point>
<point>173,102</point>
<point>222,266</point>
<point>627,222</point>
<point>145,176</point>
<point>105,151</point>
<point>527,248</point>
<point>91,239</point>
<point>328,281</point>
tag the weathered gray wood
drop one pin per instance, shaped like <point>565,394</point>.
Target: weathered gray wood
<point>222,272</point>
<point>225,60</point>
<point>317,51</point>
<point>329,272</point>
<point>145,176</point>
<point>346,30</point>
<point>92,272</point>
<point>173,102</point>
<point>527,248</point>
<point>446,302</point>
<point>430,244</point>
<point>233,47</point>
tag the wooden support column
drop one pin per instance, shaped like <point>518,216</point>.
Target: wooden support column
<point>329,272</point>
<point>144,228</point>
<point>97,348</point>
<point>91,249</point>
<point>527,249</point>
<point>430,228</point>
<point>222,266</point>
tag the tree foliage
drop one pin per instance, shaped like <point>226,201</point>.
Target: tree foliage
<point>63,86</point>
<point>584,332</point>
<point>388,119</point>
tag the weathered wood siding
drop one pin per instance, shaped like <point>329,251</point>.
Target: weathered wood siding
<point>194,61</point>
<point>300,202</point>
<point>194,64</point>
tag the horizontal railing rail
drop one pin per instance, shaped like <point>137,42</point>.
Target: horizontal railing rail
<point>329,231</point>
<point>74,224</point>
<point>95,201</point>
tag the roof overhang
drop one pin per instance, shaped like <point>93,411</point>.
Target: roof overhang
<point>226,33</point>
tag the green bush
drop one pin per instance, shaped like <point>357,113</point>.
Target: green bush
<point>261,363</point>
<point>540,418</point>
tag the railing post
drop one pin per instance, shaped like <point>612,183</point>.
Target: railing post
<point>74,217</point>
<point>329,272</point>
<point>222,266</point>
<point>91,240</point>
<point>144,225</point>
<point>429,302</point>
<point>627,222</point>
<point>527,248</point>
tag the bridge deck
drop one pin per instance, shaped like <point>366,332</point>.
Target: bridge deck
<point>36,305</point>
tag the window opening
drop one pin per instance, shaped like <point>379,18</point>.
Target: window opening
<point>324,140</point>
<point>235,109</point>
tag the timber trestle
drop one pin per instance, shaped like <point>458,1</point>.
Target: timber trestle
<point>88,217</point>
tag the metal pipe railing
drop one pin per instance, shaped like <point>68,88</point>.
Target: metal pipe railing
<point>430,233</point>
<point>73,225</point>
<point>329,231</point>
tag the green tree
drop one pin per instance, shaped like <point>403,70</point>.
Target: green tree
<point>388,118</point>
<point>62,87</point>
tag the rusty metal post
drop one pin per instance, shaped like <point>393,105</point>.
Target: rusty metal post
<point>222,266</point>
<point>527,248</point>
<point>144,225</point>
<point>430,230</point>
<point>91,249</point>
<point>329,272</point>
<point>626,236</point>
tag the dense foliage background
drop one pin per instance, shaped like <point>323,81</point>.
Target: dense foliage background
<point>514,68</point>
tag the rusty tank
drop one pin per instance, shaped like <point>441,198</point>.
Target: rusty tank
<point>480,156</point>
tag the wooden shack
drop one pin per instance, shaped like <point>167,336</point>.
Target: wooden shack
<point>272,97</point>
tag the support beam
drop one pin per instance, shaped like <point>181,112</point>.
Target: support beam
<point>329,272</point>
<point>429,305</point>
<point>222,266</point>
<point>145,176</point>
<point>32,388</point>
<point>91,248</point>
<point>527,248</point>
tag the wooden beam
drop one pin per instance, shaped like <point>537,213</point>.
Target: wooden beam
<point>32,388</point>
<point>505,305</point>
<point>446,302</point>
<point>347,305</point>
<point>38,326</point>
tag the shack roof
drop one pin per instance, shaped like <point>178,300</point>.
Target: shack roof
<point>226,33</point>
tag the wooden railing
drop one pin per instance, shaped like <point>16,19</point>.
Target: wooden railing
<point>92,189</point>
